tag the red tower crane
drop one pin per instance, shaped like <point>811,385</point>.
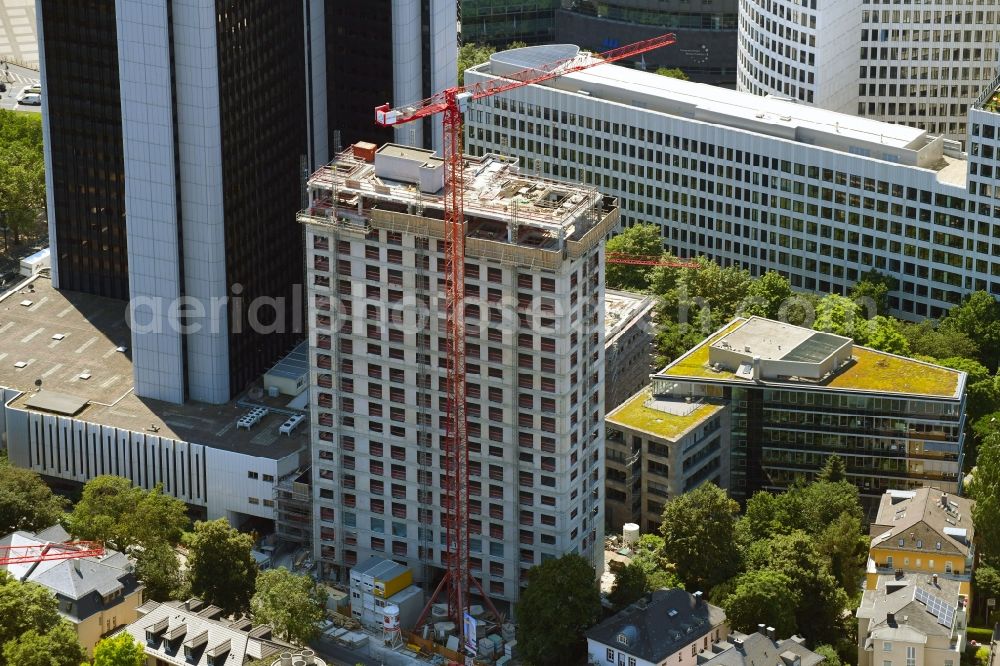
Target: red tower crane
<point>43,552</point>
<point>618,258</point>
<point>452,103</point>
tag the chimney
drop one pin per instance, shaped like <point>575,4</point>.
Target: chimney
<point>934,579</point>
<point>770,633</point>
<point>761,628</point>
<point>944,500</point>
<point>698,597</point>
<point>76,564</point>
<point>756,368</point>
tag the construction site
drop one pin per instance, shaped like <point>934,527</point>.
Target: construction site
<point>456,315</point>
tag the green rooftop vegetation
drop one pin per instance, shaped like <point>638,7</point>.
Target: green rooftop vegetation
<point>695,362</point>
<point>635,414</point>
<point>993,103</point>
<point>876,371</point>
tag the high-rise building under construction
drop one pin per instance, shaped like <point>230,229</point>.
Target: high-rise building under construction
<point>535,364</point>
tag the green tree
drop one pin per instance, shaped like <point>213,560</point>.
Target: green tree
<point>839,315</point>
<point>926,340</point>
<point>25,607</point>
<point>833,470</point>
<point>470,55</point>
<point>221,569</point>
<point>986,425</point>
<point>157,567</point>
<point>26,503</point>
<point>829,654</point>
<point>119,650</point>
<point>978,317</point>
<point>987,582</point>
<point>58,646</point>
<point>659,572</point>
<point>111,510</point>
<point>293,605</point>
<point>22,170</point>
<point>872,292</point>
<point>762,595</point>
<point>977,371</point>
<point>630,585</point>
<point>844,546</point>
<point>640,241</point>
<point>698,537</point>
<point>766,294</point>
<point>821,601</point>
<point>985,489</point>
<point>560,602</point>
<point>884,334</point>
<point>673,73</point>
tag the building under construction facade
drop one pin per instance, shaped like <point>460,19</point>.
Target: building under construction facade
<point>535,364</point>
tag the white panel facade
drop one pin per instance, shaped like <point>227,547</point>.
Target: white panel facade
<point>444,56</point>
<point>50,204</point>
<point>316,93</point>
<point>904,61</point>
<point>821,216</point>
<point>199,144</point>
<point>922,64</point>
<point>75,450</point>
<point>150,196</point>
<point>225,483</point>
<point>801,50</point>
<point>407,70</point>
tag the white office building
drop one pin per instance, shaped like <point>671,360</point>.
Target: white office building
<point>535,365</point>
<point>68,411</point>
<point>906,62</point>
<point>820,196</point>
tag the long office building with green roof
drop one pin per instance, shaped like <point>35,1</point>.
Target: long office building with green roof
<point>761,404</point>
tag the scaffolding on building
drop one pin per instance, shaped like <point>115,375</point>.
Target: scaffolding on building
<point>292,501</point>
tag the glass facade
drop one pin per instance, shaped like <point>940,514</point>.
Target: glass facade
<point>364,32</point>
<point>500,22</point>
<point>85,142</point>
<point>262,93</point>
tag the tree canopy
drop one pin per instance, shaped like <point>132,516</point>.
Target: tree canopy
<point>56,647</point>
<point>32,631</point>
<point>673,73</point>
<point>470,55</point>
<point>631,583</point>
<point>640,241</point>
<point>985,489</point>
<point>871,292</point>
<point>292,604</point>
<point>123,516</point>
<point>26,503</point>
<point>698,539</point>
<point>22,169</point>
<point>559,603</point>
<point>119,650</point>
<point>762,595</point>
<point>221,569</point>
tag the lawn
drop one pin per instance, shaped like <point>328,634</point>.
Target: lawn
<point>695,362</point>
<point>875,371</point>
<point>635,414</point>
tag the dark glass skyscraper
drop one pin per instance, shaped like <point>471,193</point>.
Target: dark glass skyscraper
<point>201,119</point>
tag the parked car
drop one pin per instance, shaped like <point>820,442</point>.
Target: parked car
<point>30,99</point>
<point>34,88</point>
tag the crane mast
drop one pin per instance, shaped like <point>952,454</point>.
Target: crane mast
<point>452,103</point>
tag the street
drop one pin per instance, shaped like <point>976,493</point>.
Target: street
<point>16,78</point>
